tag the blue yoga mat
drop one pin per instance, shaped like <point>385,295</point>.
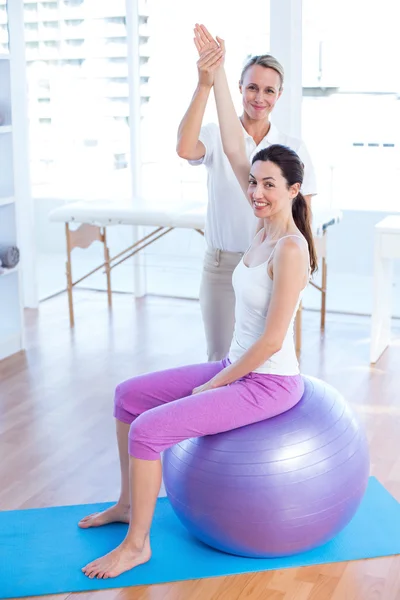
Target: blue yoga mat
<point>42,550</point>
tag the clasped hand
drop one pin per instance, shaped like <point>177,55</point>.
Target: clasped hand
<point>211,54</point>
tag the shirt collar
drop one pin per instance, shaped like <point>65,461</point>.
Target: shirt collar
<point>272,136</point>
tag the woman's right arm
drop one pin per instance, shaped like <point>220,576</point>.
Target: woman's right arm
<point>188,145</point>
<point>231,130</point>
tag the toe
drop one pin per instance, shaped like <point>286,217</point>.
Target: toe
<point>110,574</point>
<point>88,517</point>
<point>89,567</point>
<point>93,573</point>
<point>86,521</point>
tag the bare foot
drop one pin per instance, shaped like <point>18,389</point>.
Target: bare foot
<point>123,558</point>
<point>118,513</point>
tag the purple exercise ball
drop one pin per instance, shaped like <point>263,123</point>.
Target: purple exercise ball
<point>274,488</point>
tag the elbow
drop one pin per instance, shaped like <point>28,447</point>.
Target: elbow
<point>183,151</point>
<point>266,350</point>
<point>274,346</point>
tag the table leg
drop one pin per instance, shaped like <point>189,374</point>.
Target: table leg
<point>323,292</point>
<point>382,304</point>
<point>69,276</point>
<point>107,266</point>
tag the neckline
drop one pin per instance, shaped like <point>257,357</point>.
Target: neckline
<point>273,250</point>
<point>266,137</point>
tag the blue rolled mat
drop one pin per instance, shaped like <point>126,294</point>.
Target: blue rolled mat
<point>9,256</point>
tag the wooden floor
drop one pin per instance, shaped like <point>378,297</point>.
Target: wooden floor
<point>58,434</point>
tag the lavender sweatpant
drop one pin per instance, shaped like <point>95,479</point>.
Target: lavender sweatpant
<point>162,411</point>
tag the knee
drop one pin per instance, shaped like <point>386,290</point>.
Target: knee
<point>120,395</point>
<point>144,442</point>
<point>142,429</point>
<point>124,410</point>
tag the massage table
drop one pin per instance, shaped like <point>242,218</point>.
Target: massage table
<point>93,218</point>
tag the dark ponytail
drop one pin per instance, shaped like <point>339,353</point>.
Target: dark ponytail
<point>302,218</point>
<point>293,171</point>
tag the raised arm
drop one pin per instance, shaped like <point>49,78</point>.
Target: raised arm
<point>231,129</point>
<point>188,144</point>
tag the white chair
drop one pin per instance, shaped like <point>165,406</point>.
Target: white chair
<point>386,250</point>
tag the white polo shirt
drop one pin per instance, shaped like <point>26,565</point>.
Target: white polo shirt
<point>230,222</point>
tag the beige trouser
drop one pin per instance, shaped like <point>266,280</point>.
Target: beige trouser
<point>217,301</point>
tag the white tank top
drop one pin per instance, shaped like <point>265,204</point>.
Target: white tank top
<point>253,288</point>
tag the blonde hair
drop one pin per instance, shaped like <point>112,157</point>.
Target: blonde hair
<point>267,61</point>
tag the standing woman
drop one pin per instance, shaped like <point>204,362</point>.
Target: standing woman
<point>230,223</point>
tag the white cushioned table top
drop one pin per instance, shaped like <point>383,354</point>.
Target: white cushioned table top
<point>156,214</point>
<point>106,212</point>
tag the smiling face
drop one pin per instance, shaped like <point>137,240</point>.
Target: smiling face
<point>268,190</point>
<point>260,89</point>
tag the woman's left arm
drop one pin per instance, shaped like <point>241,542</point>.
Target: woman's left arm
<point>232,138</point>
<point>289,269</point>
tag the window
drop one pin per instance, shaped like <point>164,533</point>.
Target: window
<point>73,62</point>
<point>84,116</point>
<point>116,40</point>
<point>351,124</point>
<point>116,20</point>
<point>75,43</point>
<point>49,5</point>
<point>73,2</point>
<point>73,22</point>
<point>351,108</point>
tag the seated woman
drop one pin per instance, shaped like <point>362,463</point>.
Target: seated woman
<point>258,379</point>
